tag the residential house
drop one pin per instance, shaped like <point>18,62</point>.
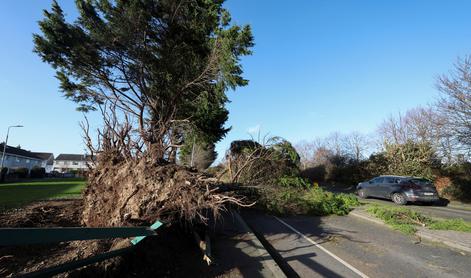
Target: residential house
<point>66,163</point>
<point>47,161</point>
<point>18,158</point>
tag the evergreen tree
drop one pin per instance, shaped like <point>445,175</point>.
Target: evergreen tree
<point>165,64</point>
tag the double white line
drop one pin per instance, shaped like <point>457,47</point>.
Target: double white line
<point>349,266</point>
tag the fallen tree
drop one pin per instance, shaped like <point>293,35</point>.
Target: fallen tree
<point>157,72</point>
<point>148,192</point>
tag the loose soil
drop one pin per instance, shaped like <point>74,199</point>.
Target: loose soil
<point>139,192</point>
<point>172,253</point>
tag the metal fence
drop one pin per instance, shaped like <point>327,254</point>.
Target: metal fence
<point>27,236</point>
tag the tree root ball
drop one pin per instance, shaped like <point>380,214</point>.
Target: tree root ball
<point>141,192</point>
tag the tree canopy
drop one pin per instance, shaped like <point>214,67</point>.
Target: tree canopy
<point>163,66</point>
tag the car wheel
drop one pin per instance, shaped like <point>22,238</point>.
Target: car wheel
<point>399,198</point>
<point>362,194</point>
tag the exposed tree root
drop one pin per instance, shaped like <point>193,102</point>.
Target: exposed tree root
<point>140,192</point>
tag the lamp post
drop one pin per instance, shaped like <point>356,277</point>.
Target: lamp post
<point>5,147</point>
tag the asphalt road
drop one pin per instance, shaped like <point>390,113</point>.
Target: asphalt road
<point>431,210</point>
<point>345,246</point>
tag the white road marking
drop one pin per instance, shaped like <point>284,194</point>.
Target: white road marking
<point>349,266</point>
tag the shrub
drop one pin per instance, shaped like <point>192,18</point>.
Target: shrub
<point>459,182</point>
<point>459,190</point>
<point>442,183</point>
<point>315,201</point>
<point>297,182</point>
<point>412,159</point>
<point>37,173</point>
<point>315,174</point>
<point>21,172</point>
<point>3,174</point>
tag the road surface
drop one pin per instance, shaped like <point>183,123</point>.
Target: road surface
<point>345,246</point>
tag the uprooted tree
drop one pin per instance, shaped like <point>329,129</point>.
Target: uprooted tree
<point>157,72</point>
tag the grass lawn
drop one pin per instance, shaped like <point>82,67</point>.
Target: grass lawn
<point>21,193</point>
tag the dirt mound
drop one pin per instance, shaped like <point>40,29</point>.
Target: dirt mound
<point>56,213</point>
<point>139,193</point>
<point>172,253</point>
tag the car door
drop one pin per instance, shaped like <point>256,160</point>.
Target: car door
<point>374,188</point>
<point>388,186</point>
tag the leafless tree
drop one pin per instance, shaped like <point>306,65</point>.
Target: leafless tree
<point>356,145</point>
<point>455,103</point>
<point>310,151</point>
<point>421,124</point>
<point>335,142</point>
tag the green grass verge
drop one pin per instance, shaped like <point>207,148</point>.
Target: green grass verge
<point>21,193</point>
<point>406,220</point>
<point>451,224</point>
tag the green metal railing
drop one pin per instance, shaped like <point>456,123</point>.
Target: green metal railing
<point>25,236</point>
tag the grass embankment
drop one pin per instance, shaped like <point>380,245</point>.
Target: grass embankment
<point>406,220</point>
<point>21,193</point>
<point>312,201</point>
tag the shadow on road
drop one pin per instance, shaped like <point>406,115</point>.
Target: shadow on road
<point>294,254</point>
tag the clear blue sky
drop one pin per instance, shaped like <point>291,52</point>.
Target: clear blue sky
<point>318,67</point>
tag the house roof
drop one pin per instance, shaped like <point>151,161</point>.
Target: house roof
<point>45,156</point>
<point>73,157</point>
<point>18,151</point>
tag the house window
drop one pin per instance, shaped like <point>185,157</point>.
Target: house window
<point>75,163</point>
<point>27,160</point>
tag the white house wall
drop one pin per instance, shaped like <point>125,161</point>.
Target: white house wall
<point>64,166</point>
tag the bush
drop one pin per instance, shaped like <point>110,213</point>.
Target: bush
<point>412,159</point>
<point>3,174</point>
<point>442,183</point>
<point>315,174</point>
<point>315,201</point>
<point>296,182</point>
<point>459,190</point>
<point>21,172</point>
<point>37,173</point>
<point>459,182</point>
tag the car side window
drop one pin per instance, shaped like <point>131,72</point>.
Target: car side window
<point>391,180</point>
<point>378,180</point>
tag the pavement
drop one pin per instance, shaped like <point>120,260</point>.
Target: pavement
<point>237,252</point>
<point>348,246</point>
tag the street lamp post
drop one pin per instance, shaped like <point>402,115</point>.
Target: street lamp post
<point>5,147</point>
